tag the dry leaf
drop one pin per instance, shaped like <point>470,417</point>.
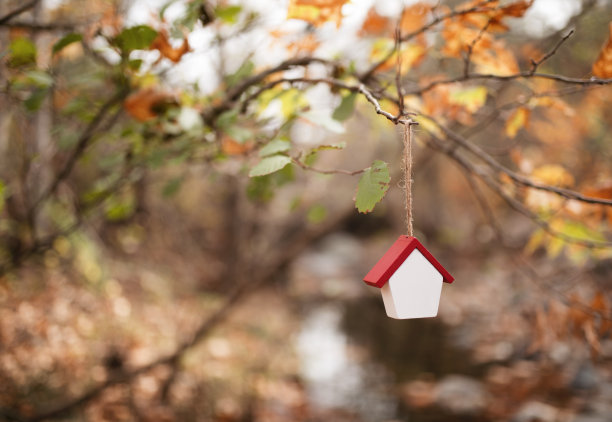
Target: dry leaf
<point>162,44</point>
<point>230,146</point>
<point>603,65</point>
<point>147,104</point>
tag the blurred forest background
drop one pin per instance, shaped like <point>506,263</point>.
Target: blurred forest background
<point>191,192</point>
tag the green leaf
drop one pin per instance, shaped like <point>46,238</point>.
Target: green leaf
<point>22,52</point>
<point>269,165</point>
<point>2,195</point>
<point>65,41</point>
<point>172,187</point>
<point>311,155</point>
<point>373,185</point>
<point>316,214</point>
<point>239,134</point>
<point>243,71</point>
<point>135,38</point>
<point>226,119</point>
<point>228,14</point>
<point>346,107</point>
<point>292,101</point>
<point>324,120</point>
<point>39,78</point>
<point>35,100</point>
<point>135,64</point>
<point>274,147</point>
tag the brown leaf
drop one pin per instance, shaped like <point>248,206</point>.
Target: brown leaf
<point>162,44</point>
<point>147,104</point>
<point>603,65</point>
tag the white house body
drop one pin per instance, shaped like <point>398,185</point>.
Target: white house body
<point>413,291</point>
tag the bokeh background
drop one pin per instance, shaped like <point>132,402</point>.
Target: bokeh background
<point>154,280</point>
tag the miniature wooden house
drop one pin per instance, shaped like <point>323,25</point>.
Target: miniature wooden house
<point>410,279</point>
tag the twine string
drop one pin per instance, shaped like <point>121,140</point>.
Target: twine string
<point>408,174</point>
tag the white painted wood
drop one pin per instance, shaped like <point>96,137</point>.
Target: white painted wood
<point>413,291</point>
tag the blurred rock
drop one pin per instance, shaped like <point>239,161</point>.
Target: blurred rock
<point>586,378</point>
<point>461,395</point>
<point>535,411</point>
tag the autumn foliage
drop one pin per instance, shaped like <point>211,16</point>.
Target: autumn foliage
<point>182,200</point>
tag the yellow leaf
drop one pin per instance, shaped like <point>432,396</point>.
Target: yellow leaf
<point>471,98</point>
<point>516,121</point>
<point>603,65</point>
<point>411,55</point>
<point>317,12</point>
<point>553,174</point>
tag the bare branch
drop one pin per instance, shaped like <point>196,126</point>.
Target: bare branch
<point>24,8</point>
<point>437,144</point>
<point>360,88</point>
<point>234,93</point>
<point>521,75</point>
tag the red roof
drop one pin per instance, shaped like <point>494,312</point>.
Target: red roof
<point>395,256</point>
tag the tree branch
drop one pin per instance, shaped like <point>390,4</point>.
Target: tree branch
<point>516,177</point>
<point>82,144</point>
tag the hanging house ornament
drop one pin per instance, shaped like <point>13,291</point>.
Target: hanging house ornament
<point>408,276</point>
<point>410,280</point>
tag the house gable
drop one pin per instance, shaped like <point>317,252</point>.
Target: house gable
<point>395,256</point>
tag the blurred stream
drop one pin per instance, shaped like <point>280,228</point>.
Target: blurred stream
<point>353,357</point>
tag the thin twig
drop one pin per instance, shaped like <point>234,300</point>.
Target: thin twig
<point>304,166</point>
<point>536,63</point>
<point>470,51</point>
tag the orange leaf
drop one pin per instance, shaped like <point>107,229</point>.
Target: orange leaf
<point>231,147</point>
<point>414,17</point>
<point>516,10</point>
<point>162,44</point>
<point>375,24</point>
<point>146,104</point>
<point>518,120</point>
<point>307,44</point>
<point>603,66</point>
